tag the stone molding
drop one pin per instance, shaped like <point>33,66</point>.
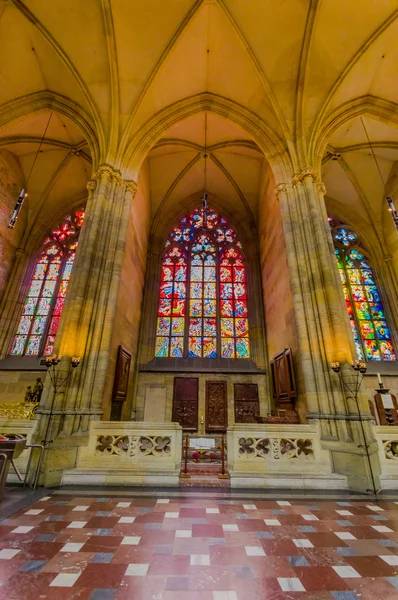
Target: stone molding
<point>112,175</point>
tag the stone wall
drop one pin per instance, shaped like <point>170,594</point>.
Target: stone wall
<point>129,300</point>
<point>11,183</point>
<point>13,384</point>
<point>156,385</point>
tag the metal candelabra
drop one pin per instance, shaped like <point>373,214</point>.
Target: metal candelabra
<point>360,369</point>
<point>57,382</point>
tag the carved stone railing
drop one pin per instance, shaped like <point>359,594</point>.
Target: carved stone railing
<point>387,441</point>
<point>288,455</point>
<point>276,448</point>
<point>18,410</point>
<point>129,453</point>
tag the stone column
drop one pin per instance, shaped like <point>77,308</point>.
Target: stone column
<point>322,324</point>
<point>86,325</point>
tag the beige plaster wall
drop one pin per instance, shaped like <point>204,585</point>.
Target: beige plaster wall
<point>129,301</point>
<point>11,183</point>
<point>280,321</point>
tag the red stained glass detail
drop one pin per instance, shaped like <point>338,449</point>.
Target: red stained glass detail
<point>54,325</point>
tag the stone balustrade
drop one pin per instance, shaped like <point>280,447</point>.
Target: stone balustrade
<point>387,441</point>
<point>289,456</point>
<point>129,453</point>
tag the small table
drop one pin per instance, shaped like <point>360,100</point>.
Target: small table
<point>9,451</point>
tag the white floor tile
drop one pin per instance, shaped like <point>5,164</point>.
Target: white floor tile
<point>283,503</point>
<point>123,504</point>
<point>272,522</point>
<point>212,511</point>
<point>346,572</point>
<point>250,507</point>
<point>45,498</point>
<point>375,508</point>
<point>382,528</point>
<point>22,529</point>
<point>303,543</point>
<point>7,553</point>
<point>137,570</point>
<point>183,533</point>
<point>230,527</point>
<point>344,513</point>
<point>254,551</point>
<point>310,518</point>
<point>200,559</point>
<point>77,525</point>
<point>231,595</point>
<point>390,559</point>
<point>80,508</point>
<point>345,535</point>
<point>171,515</point>
<point>72,547</point>
<point>34,511</point>
<point>126,520</point>
<point>162,501</point>
<point>131,540</point>
<point>291,584</point>
<point>65,580</point>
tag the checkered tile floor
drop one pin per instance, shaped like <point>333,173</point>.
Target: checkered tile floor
<point>87,548</point>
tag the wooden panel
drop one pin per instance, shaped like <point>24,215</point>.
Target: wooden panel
<point>216,406</point>
<point>283,380</point>
<point>185,402</point>
<point>246,402</point>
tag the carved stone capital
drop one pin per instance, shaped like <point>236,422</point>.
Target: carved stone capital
<point>131,186</point>
<point>281,188</point>
<point>91,185</point>
<point>20,252</point>
<point>387,258</point>
<point>320,186</point>
<point>303,175</point>
<point>107,172</point>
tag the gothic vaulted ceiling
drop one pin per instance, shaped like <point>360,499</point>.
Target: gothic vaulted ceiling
<point>103,68</point>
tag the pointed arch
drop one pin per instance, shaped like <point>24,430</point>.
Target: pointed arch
<point>202,308</point>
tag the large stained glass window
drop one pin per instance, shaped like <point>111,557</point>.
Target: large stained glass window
<point>368,322</point>
<point>202,310</point>
<point>38,324</point>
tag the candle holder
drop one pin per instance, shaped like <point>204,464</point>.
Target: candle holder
<point>360,368</point>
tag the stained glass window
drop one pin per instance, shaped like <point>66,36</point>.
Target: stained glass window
<point>46,295</point>
<point>367,318</point>
<point>202,309</point>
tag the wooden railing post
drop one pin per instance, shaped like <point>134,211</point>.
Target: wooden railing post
<point>184,474</point>
<point>223,474</point>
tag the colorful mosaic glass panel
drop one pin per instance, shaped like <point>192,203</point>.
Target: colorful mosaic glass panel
<point>372,337</point>
<point>49,282</point>
<point>202,292</point>
<point>172,305</point>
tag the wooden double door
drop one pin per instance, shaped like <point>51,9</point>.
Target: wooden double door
<point>186,404</point>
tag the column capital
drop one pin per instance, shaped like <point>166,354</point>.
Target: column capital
<point>305,174</point>
<point>107,172</point>
<point>281,188</point>
<point>131,186</point>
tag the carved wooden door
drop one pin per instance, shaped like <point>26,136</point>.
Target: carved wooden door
<point>185,402</point>
<point>216,407</point>
<point>246,402</point>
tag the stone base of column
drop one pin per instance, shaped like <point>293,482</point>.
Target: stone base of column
<point>60,456</point>
<point>353,463</point>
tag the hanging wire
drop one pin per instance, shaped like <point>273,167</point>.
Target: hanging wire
<point>373,154</point>
<point>39,148</point>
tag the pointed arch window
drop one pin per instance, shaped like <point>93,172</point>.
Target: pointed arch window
<point>39,322</point>
<point>371,333</point>
<point>202,309</point>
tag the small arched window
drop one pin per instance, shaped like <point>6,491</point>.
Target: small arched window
<point>368,321</point>
<point>38,324</point>
<point>202,310</point>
